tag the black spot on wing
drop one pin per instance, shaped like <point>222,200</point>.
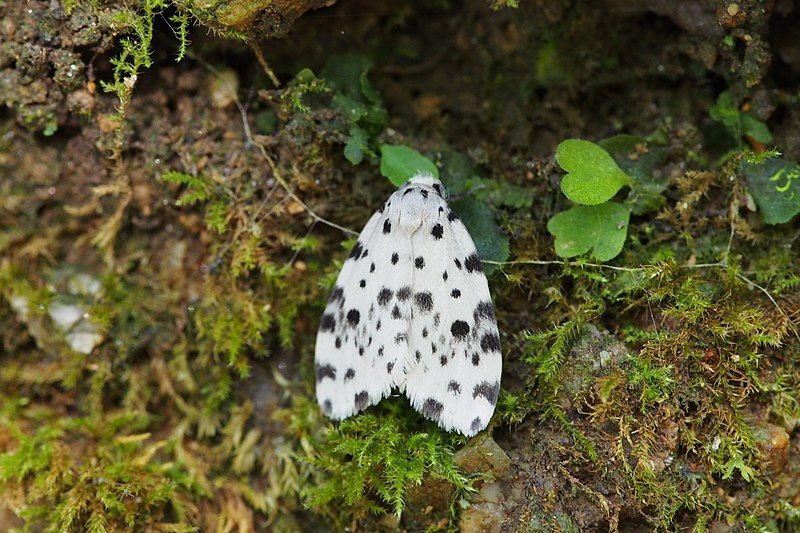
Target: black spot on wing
<point>353,316</point>
<point>490,343</point>
<point>327,407</point>
<point>451,216</point>
<point>380,351</point>
<point>476,424</point>
<point>419,262</point>
<point>389,367</point>
<point>438,189</point>
<point>432,409</point>
<point>328,323</point>
<point>350,374</point>
<point>338,342</point>
<point>455,293</point>
<point>454,386</point>
<point>437,231</point>
<point>362,283</point>
<point>458,263</point>
<point>424,301</point>
<point>395,258</point>
<point>361,400</point>
<point>473,263</point>
<point>355,253</point>
<point>396,313</point>
<point>424,333</point>
<point>476,359</point>
<point>488,390</point>
<point>400,338</point>
<point>443,360</point>
<point>372,268</point>
<point>337,294</point>
<point>459,329</point>
<point>387,227</point>
<point>444,275</point>
<point>325,371</point>
<point>404,293</point>
<point>424,193</point>
<point>484,310</point>
<point>384,296</point>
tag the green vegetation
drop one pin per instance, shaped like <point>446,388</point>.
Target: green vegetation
<point>598,225</point>
<point>165,257</point>
<point>380,455</point>
<point>399,163</point>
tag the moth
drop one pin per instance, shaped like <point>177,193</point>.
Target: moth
<point>411,310</point>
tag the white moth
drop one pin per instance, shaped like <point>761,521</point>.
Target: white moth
<point>411,309</point>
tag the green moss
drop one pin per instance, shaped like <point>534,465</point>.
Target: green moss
<point>370,461</point>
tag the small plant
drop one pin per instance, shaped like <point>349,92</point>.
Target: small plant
<point>371,461</point>
<point>199,189</point>
<point>739,123</point>
<point>358,103</point>
<point>598,224</point>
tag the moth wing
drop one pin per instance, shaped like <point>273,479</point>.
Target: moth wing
<point>361,337</point>
<point>454,337</point>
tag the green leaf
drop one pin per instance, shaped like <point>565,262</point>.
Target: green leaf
<point>725,111</point>
<point>775,187</point>
<point>399,163</point>
<point>593,176</point>
<point>755,129</point>
<point>478,217</point>
<point>601,229</point>
<point>737,122</point>
<point>357,146</point>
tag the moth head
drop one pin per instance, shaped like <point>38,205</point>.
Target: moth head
<point>425,180</point>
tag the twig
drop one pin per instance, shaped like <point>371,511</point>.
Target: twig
<point>563,263</point>
<point>264,65</point>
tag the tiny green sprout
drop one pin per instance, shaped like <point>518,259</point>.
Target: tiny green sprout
<point>357,145</point>
<point>399,163</point>
<point>739,123</point>
<point>593,177</point>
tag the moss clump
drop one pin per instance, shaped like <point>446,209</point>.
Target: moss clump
<point>370,462</point>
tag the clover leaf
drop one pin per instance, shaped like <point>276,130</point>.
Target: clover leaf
<point>601,229</point>
<point>593,176</point>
